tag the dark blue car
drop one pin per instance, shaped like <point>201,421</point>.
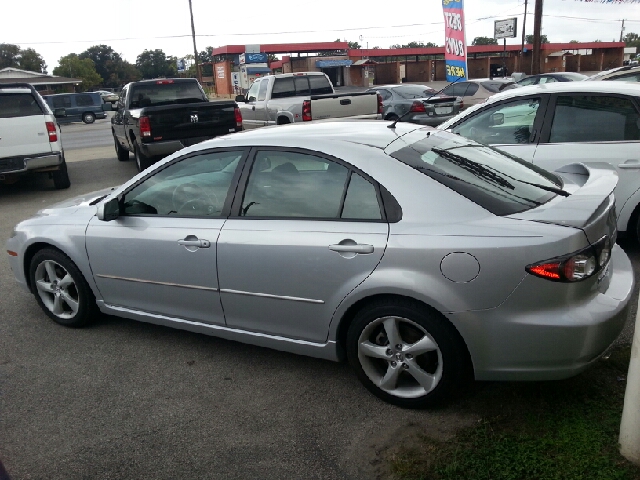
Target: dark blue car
<point>77,107</point>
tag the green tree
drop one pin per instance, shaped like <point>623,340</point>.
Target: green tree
<point>415,45</point>
<point>529,39</point>
<point>114,70</point>
<point>9,55</point>
<point>352,45</point>
<point>155,64</point>
<point>32,61</point>
<point>632,39</point>
<point>573,41</point>
<point>484,41</point>
<point>13,56</point>
<point>75,67</point>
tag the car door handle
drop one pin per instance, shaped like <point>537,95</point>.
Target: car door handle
<point>357,248</point>
<point>629,164</point>
<point>193,241</point>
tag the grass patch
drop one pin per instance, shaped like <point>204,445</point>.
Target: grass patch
<point>562,430</point>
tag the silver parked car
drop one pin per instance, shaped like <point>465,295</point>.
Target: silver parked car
<point>416,104</point>
<point>423,258</point>
<point>558,123</point>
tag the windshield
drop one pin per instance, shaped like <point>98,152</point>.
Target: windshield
<point>500,183</point>
<point>414,92</point>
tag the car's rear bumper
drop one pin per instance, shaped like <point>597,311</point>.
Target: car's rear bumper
<point>25,163</point>
<point>523,340</point>
<point>164,148</point>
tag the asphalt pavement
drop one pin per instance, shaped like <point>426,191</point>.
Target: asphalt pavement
<point>122,399</point>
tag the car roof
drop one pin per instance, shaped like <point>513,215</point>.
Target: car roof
<point>374,133</point>
<point>14,90</point>
<point>569,87</point>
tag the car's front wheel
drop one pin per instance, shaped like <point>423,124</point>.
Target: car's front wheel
<point>60,289</point>
<point>405,353</point>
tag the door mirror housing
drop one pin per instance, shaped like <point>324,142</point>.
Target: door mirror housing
<point>497,119</point>
<point>109,210</point>
<point>59,113</point>
<point>241,99</point>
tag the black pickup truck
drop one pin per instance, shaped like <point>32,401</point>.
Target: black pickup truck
<point>155,118</point>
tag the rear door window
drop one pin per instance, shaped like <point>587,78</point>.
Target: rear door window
<point>61,101</point>
<point>14,105</point>
<point>594,118</point>
<point>84,100</point>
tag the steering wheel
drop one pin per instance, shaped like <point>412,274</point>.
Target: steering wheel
<point>191,198</point>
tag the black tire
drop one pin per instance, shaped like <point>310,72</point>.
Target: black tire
<point>392,117</point>
<point>122,153</point>
<point>142,162</point>
<point>61,177</point>
<point>88,117</point>
<point>283,121</point>
<point>56,296</point>
<point>443,366</point>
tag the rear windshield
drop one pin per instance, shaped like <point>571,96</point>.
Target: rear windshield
<point>414,92</point>
<point>155,94</point>
<point>301,85</point>
<point>18,105</point>
<point>496,87</point>
<point>500,183</point>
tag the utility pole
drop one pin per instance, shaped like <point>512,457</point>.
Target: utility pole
<point>622,30</point>
<point>524,24</point>
<point>195,50</point>
<point>537,27</point>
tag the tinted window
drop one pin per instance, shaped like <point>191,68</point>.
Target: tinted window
<point>548,79</point>
<point>385,94</point>
<point>320,85</point>
<point>150,94</point>
<point>506,123</point>
<point>297,185</point>
<point>193,187</point>
<point>18,105</point>
<point>302,85</point>
<point>594,119</point>
<point>262,93</point>
<point>61,101</point>
<point>84,100</point>
<point>500,183</point>
<point>528,81</point>
<point>283,87</point>
<point>458,89</point>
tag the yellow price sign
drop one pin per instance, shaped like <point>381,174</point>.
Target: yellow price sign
<point>455,71</point>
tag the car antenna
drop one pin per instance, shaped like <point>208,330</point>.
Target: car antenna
<point>393,125</point>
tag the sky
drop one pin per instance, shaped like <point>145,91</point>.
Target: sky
<point>131,26</point>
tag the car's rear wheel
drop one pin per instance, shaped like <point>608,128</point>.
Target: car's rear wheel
<point>60,289</point>
<point>88,117</point>
<point>392,117</point>
<point>142,162</point>
<point>122,153</point>
<point>405,353</point>
<point>61,177</point>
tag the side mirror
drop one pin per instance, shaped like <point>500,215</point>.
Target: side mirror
<point>241,99</point>
<point>108,211</point>
<point>497,119</point>
<point>59,113</point>
<point>107,107</point>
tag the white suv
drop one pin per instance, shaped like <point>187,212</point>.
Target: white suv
<point>29,136</point>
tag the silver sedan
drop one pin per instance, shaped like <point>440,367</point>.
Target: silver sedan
<point>423,258</point>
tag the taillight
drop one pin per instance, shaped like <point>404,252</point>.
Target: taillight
<point>51,130</point>
<point>306,111</point>
<point>576,266</point>
<point>145,127</point>
<point>238,117</point>
<point>164,82</point>
<point>418,107</point>
<point>380,104</point>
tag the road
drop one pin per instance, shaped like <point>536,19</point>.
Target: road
<point>123,399</point>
